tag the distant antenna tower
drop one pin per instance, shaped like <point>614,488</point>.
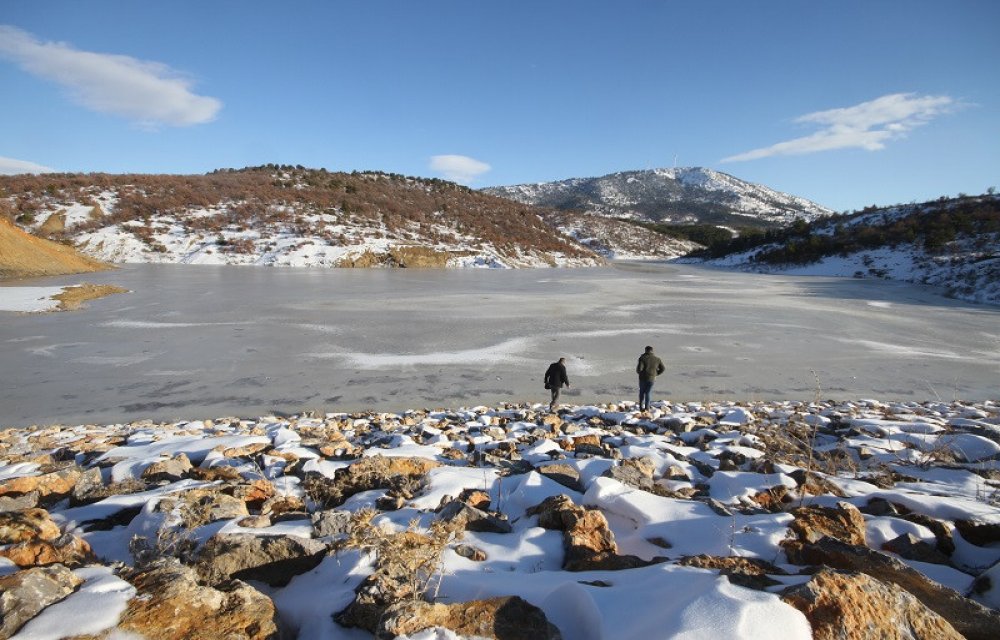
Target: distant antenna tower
<point>675,161</point>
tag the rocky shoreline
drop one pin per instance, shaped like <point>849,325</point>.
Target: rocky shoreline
<point>789,519</point>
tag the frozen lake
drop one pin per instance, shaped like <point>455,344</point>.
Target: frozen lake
<point>199,341</point>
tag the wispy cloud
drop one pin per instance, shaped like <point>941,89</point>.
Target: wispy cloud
<point>11,167</point>
<point>149,93</point>
<point>868,125</point>
<point>461,169</point>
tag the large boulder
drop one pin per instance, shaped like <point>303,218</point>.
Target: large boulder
<point>53,482</point>
<point>24,594</point>
<point>843,522</point>
<point>274,560</point>
<point>67,549</point>
<point>402,477</point>
<point>171,605</point>
<point>505,618</point>
<point>970,618</point>
<point>588,541</point>
<point>856,606</point>
<point>168,470</point>
<point>27,524</point>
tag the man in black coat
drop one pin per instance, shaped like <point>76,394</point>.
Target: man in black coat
<point>555,378</point>
<point>648,368</point>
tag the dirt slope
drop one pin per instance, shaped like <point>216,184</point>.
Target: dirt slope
<point>22,255</point>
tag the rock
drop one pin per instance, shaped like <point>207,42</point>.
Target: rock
<point>970,618</point>
<point>474,519</point>
<point>54,482</point>
<point>982,534</point>
<point>255,522</point>
<point>258,493</point>
<point>675,472</point>
<point>331,523</point>
<point>279,505</point>
<point>880,507</point>
<point>475,498</point>
<point>402,477</point>
<point>942,532</point>
<point>23,595</point>
<point>19,503</point>
<point>636,473</point>
<point>854,605</point>
<point>744,572</point>
<point>215,474</point>
<point>588,541</point>
<point>472,553</point>
<point>67,549</point>
<point>167,471</point>
<point>773,499</point>
<point>25,525</point>
<point>202,506</point>
<point>505,618</point>
<point>171,605</point>
<point>274,560</point>
<point>814,484</point>
<point>390,503</point>
<point>719,508</point>
<point>913,548</point>
<point>566,475</point>
<point>89,488</point>
<point>843,522</point>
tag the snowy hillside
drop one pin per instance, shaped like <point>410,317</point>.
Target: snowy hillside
<point>616,239</point>
<point>287,216</point>
<point>681,195</point>
<point>950,243</point>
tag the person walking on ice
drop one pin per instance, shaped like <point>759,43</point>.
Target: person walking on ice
<point>555,378</point>
<point>648,368</point>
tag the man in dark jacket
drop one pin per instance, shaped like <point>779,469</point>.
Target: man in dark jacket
<point>648,368</point>
<point>555,378</point>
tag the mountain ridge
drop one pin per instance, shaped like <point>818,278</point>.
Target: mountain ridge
<point>677,195</point>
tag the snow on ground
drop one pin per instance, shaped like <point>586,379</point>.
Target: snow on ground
<point>29,299</point>
<point>940,461</point>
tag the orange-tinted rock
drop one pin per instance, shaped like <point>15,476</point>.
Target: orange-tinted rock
<point>843,522</point>
<point>68,550</point>
<point>26,525</point>
<point>841,606</point>
<point>506,618</point>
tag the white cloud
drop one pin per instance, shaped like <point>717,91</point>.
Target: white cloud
<point>11,167</point>
<point>868,125</point>
<point>150,93</point>
<point>461,169</point>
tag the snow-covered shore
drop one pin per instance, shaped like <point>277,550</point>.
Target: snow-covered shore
<point>706,509</point>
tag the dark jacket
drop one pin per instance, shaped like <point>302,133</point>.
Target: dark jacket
<point>555,376</point>
<point>649,367</point>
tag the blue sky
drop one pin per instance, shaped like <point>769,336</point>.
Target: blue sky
<point>848,103</point>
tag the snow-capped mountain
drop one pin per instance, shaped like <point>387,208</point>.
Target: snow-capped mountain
<point>680,195</point>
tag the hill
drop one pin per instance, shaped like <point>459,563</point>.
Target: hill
<point>618,239</point>
<point>682,195</point>
<point>23,256</point>
<point>284,215</point>
<point>949,242</point>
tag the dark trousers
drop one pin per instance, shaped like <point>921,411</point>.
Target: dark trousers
<point>645,388</point>
<point>555,397</point>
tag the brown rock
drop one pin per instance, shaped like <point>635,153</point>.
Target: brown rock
<point>171,605</point>
<point>745,572</point>
<point>981,534</point>
<point>970,618</point>
<point>25,525</point>
<point>564,474</point>
<point>282,504</point>
<point>68,550</point>
<point>255,494</point>
<point>913,548</point>
<point>213,474</point>
<point>773,499</point>
<point>588,541</point>
<point>54,482</point>
<point>852,606</point>
<point>506,618</point>
<point>274,560</point>
<point>814,484</point>
<point>843,522</point>
<point>402,477</point>
<point>475,498</point>
<point>24,594</point>
<point>472,553</point>
<point>170,470</point>
<point>202,506</point>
